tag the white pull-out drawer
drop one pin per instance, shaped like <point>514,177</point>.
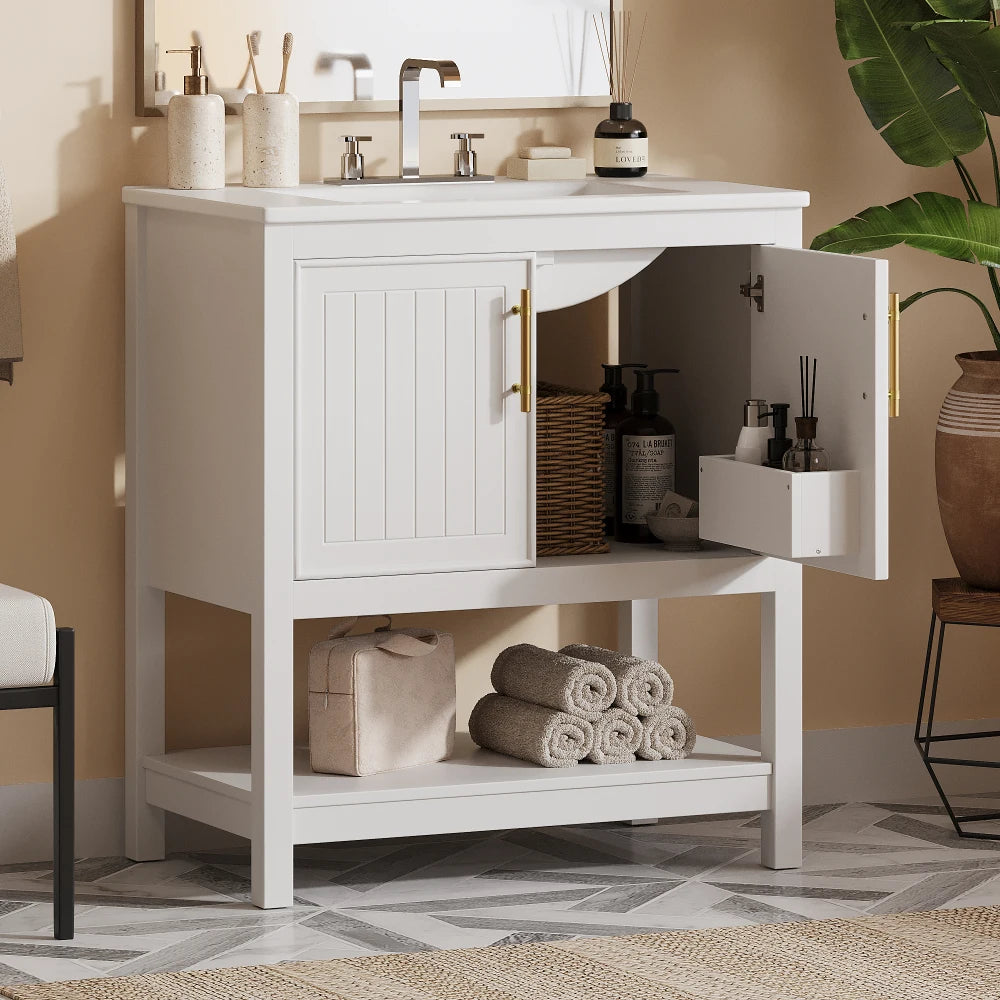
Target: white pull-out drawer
<point>412,453</point>
<point>790,514</point>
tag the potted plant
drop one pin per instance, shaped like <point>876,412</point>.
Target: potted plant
<point>927,73</point>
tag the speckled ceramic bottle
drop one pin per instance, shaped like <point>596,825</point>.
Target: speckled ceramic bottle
<point>270,140</point>
<point>196,142</point>
<point>196,132</point>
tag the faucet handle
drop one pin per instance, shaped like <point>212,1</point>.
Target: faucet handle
<point>465,155</point>
<point>352,163</point>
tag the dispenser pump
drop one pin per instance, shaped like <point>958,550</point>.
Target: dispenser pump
<point>195,83</point>
<point>614,386</point>
<point>645,399</point>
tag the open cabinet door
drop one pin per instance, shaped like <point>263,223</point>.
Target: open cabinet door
<point>836,309</point>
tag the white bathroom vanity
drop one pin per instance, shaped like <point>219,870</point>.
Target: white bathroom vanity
<point>320,422</point>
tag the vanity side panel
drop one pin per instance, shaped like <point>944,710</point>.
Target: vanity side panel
<point>202,387</point>
<point>685,311</point>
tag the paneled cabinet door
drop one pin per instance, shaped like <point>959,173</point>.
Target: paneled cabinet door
<point>412,452</point>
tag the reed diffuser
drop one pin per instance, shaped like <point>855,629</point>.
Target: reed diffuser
<point>621,143</point>
<point>806,455</point>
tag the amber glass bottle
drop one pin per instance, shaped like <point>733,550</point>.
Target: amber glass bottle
<point>621,144</point>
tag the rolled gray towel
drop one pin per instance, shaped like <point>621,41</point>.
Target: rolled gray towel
<point>554,680</point>
<point>530,732</point>
<point>617,735</point>
<point>643,685</point>
<point>667,735</point>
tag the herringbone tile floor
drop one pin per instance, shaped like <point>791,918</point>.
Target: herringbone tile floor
<point>193,910</point>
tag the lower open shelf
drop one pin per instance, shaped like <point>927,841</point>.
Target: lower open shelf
<point>474,790</point>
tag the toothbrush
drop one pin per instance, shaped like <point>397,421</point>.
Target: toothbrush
<point>253,65</point>
<point>255,50</point>
<point>286,53</point>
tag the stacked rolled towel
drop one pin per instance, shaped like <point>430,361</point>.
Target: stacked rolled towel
<point>617,736</point>
<point>581,687</point>
<point>643,685</point>
<point>534,733</point>
<point>667,735</point>
<point>582,703</point>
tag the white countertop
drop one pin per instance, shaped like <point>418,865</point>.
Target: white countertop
<point>504,198</point>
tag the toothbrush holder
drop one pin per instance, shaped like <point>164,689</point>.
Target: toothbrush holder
<point>270,140</point>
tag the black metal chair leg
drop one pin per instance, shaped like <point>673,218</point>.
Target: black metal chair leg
<point>63,784</point>
<point>923,685</point>
<point>928,736</point>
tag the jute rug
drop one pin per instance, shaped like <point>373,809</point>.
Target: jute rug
<point>946,955</point>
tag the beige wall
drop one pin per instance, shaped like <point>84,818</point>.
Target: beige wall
<point>759,95</point>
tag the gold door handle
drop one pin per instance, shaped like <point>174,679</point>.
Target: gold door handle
<point>894,354</point>
<point>523,388</point>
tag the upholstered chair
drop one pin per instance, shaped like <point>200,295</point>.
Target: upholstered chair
<point>36,671</point>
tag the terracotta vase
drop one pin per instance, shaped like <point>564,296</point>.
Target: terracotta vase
<point>967,459</point>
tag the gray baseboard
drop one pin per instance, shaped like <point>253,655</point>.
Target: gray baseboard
<point>870,764</point>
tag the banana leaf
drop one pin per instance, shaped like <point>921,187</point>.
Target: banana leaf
<point>930,221</point>
<point>971,51</point>
<point>909,96</point>
<point>976,10</point>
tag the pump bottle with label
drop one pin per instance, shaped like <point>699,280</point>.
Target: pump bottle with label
<point>645,459</point>
<point>196,132</point>
<point>614,413</point>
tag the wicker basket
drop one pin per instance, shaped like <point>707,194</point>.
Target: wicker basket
<point>570,471</point>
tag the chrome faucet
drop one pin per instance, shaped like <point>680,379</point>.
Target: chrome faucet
<point>409,108</point>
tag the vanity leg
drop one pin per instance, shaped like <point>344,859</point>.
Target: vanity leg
<point>271,762</point>
<point>639,635</point>
<point>639,629</point>
<point>144,712</point>
<point>781,715</point>
<point>144,605</point>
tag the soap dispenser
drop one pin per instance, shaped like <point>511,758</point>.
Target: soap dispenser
<point>615,411</point>
<point>196,132</point>
<point>645,449</point>
<point>751,447</point>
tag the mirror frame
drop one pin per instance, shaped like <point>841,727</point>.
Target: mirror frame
<point>145,63</point>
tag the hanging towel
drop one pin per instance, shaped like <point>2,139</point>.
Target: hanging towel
<point>555,681</point>
<point>667,735</point>
<point>643,686</point>
<point>617,735</point>
<point>10,296</point>
<point>530,732</point>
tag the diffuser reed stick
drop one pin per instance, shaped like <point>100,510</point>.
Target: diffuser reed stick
<point>621,62</point>
<point>807,386</point>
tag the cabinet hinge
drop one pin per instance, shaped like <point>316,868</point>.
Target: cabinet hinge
<point>754,292</point>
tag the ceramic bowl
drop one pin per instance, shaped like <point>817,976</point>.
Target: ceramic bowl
<point>679,534</point>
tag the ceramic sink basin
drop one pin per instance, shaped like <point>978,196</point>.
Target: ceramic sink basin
<point>502,189</point>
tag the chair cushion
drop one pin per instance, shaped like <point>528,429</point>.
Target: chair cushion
<point>27,639</point>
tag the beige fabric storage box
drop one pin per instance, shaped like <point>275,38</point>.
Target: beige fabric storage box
<point>381,701</point>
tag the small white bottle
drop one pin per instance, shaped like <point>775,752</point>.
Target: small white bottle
<point>752,445</point>
<point>196,133</point>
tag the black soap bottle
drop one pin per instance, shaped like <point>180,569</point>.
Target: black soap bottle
<point>621,144</point>
<point>615,411</point>
<point>645,450</point>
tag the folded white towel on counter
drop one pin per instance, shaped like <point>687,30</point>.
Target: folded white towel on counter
<point>545,152</point>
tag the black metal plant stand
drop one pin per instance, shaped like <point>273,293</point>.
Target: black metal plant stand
<point>59,696</point>
<point>954,603</point>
